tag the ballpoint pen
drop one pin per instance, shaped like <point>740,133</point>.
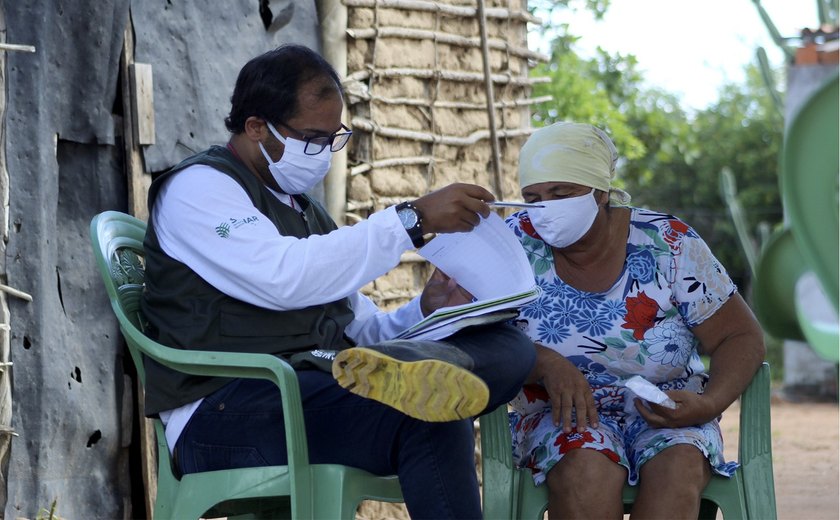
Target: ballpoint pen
<point>506,204</point>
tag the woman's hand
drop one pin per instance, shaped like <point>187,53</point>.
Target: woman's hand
<point>734,342</point>
<point>442,291</point>
<point>692,409</point>
<point>567,389</point>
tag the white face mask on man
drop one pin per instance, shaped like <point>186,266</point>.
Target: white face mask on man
<point>563,222</point>
<point>297,172</point>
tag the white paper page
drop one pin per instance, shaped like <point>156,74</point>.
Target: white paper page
<point>457,312</point>
<point>488,261</point>
<point>446,328</point>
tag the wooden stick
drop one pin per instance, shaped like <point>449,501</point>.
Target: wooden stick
<point>463,105</point>
<point>16,47</point>
<point>386,163</point>
<point>451,10</point>
<point>443,37</point>
<point>398,133</point>
<point>14,292</point>
<point>491,109</point>
<point>138,183</point>
<point>450,75</point>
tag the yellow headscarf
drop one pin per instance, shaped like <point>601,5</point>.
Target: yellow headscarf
<point>570,152</point>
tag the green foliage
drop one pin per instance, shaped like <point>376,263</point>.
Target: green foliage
<point>546,8</point>
<point>588,91</point>
<point>48,514</point>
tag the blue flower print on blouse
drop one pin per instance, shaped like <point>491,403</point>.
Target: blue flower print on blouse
<point>581,299</point>
<point>538,309</point>
<point>592,322</point>
<point>613,309</point>
<point>554,291</point>
<point>552,332</point>
<point>641,264</point>
<point>563,312</point>
<point>596,373</point>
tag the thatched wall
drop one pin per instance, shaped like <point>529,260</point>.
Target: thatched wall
<point>417,99</point>
<point>417,94</point>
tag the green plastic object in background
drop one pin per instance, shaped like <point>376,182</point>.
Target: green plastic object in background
<point>510,492</point>
<point>299,490</point>
<point>774,291</point>
<point>809,185</point>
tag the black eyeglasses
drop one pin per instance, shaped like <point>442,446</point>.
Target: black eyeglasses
<point>316,144</point>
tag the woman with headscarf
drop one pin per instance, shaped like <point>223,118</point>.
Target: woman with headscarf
<point>625,292</point>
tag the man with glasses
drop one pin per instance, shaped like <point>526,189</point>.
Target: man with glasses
<point>239,258</point>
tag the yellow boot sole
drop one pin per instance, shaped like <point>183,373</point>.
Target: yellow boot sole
<point>428,389</point>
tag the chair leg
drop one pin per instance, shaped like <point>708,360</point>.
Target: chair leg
<point>726,495</point>
<point>708,510</point>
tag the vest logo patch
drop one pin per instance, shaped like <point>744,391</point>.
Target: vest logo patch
<point>238,223</point>
<point>223,230</point>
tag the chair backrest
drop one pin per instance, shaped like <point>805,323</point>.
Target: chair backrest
<point>118,248</point>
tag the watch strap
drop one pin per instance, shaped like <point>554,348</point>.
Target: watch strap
<point>415,233</point>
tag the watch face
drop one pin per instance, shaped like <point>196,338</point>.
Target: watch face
<point>408,217</point>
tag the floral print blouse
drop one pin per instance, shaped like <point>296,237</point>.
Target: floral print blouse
<point>670,283</point>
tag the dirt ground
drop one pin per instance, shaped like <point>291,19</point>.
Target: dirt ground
<point>805,461</point>
<point>805,457</point>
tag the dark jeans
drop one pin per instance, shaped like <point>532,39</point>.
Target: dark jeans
<point>241,425</point>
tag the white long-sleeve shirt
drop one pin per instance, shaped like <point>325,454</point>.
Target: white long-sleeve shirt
<point>205,219</point>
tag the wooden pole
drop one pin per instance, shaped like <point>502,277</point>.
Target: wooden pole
<point>491,109</point>
<point>138,183</point>
<point>332,15</point>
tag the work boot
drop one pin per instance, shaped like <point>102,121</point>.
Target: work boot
<point>427,380</point>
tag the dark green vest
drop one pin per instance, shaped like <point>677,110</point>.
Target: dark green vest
<point>186,312</point>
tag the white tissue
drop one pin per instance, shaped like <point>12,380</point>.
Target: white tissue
<point>648,391</point>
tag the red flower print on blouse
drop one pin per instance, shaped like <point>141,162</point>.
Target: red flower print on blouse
<point>527,227</point>
<point>675,231</point>
<point>613,456</point>
<point>572,441</point>
<point>534,393</point>
<point>641,312</point>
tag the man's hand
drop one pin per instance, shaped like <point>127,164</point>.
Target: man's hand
<point>568,390</point>
<point>457,207</point>
<point>442,291</point>
<point>692,409</point>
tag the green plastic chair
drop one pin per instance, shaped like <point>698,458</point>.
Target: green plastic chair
<point>510,492</point>
<point>809,181</point>
<point>774,291</point>
<point>806,249</point>
<point>298,490</point>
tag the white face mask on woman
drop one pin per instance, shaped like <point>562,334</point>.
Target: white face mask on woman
<point>297,172</point>
<point>563,222</point>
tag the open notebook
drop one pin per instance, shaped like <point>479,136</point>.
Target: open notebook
<point>488,262</point>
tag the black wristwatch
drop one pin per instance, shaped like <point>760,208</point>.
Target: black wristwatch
<point>412,221</point>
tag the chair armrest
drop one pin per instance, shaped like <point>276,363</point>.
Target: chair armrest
<point>754,439</point>
<point>755,447</point>
<point>495,437</point>
<point>236,365</point>
<point>498,476</point>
